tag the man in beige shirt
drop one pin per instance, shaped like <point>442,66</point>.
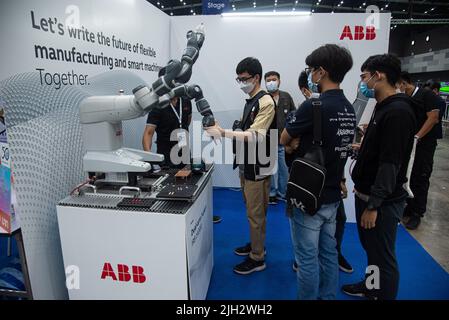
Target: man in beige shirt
<point>257,124</point>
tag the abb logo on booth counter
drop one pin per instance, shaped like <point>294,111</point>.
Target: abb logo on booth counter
<point>360,33</point>
<point>124,275</point>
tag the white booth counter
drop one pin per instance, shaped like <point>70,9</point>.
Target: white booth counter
<point>148,248</point>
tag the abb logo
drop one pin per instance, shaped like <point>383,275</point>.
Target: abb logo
<point>124,275</point>
<point>369,33</point>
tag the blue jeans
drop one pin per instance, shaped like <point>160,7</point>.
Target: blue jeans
<point>279,179</point>
<point>315,252</point>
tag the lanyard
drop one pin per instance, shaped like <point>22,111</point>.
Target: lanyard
<point>179,116</point>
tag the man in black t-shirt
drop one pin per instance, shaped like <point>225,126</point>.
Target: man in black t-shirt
<point>435,87</point>
<point>164,122</point>
<point>314,236</point>
<point>427,116</point>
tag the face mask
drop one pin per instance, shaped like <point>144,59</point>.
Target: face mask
<point>367,92</point>
<point>272,86</point>
<point>312,85</point>
<point>247,86</point>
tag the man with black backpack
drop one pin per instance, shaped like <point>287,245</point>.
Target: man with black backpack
<point>313,235</point>
<point>258,161</point>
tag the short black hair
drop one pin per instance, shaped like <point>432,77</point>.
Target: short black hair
<point>386,63</point>
<point>432,84</point>
<point>405,76</point>
<point>302,80</point>
<point>336,60</point>
<point>272,73</point>
<point>250,65</point>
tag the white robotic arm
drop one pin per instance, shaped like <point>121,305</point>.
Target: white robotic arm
<point>102,116</point>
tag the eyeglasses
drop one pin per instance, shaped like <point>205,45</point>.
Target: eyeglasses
<point>308,70</point>
<point>240,80</point>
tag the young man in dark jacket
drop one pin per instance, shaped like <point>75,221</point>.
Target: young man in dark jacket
<point>379,175</point>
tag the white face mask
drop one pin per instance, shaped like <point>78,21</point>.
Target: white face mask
<point>247,86</point>
<point>272,86</point>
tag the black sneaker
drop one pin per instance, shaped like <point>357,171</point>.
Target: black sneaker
<point>216,219</point>
<point>358,290</point>
<point>245,250</point>
<point>272,200</point>
<point>413,223</point>
<point>344,265</point>
<point>249,266</point>
<point>295,266</point>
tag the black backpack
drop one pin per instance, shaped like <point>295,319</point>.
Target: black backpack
<point>308,173</point>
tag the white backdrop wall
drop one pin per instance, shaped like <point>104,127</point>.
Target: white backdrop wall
<point>281,44</point>
<point>43,120</point>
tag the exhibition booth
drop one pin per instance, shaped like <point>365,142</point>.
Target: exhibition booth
<point>98,243</point>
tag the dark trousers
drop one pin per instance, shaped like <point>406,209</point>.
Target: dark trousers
<point>379,244</point>
<point>340,227</point>
<point>420,178</point>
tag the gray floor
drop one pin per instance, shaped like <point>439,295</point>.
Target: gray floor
<point>433,233</point>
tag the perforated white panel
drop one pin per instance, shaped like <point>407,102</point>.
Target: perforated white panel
<point>46,150</point>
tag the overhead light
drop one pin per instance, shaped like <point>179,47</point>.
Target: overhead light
<point>360,7</point>
<point>266,14</point>
<point>296,2</point>
<point>293,9</point>
<point>338,5</point>
<point>341,2</point>
<point>233,9</point>
<point>386,6</point>
<point>364,3</point>
<point>171,13</point>
<point>313,10</point>
<point>194,13</point>
<point>413,42</point>
<point>432,9</point>
<point>162,6</point>
<point>403,10</point>
<point>317,4</point>
<point>427,39</point>
<point>425,12</point>
<point>332,12</point>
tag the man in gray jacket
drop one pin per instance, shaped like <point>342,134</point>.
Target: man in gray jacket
<point>284,105</point>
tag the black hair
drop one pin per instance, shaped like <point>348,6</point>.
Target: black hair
<point>336,60</point>
<point>432,84</point>
<point>302,80</point>
<point>272,73</point>
<point>250,65</point>
<point>385,63</point>
<point>405,76</point>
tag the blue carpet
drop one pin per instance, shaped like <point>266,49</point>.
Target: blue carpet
<point>421,276</point>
